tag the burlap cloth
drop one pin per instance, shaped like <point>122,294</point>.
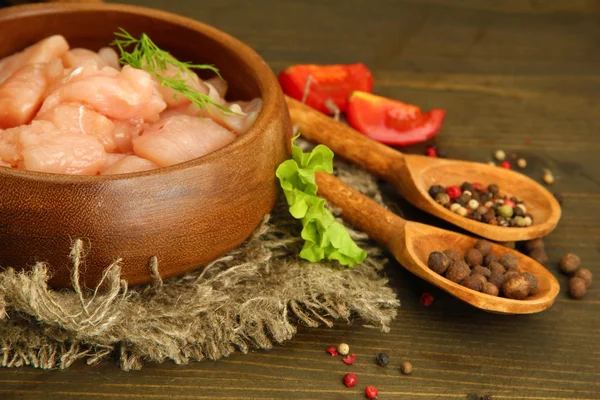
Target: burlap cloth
<point>251,298</point>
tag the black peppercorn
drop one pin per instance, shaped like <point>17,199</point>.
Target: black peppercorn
<point>464,198</point>
<point>539,255</point>
<point>457,271</point>
<point>483,271</point>
<point>487,260</point>
<point>452,255</point>
<point>435,190</point>
<point>569,263</point>
<point>491,289</point>
<point>467,186</point>
<point>382,359</point>
<point>577,287</point>
<point>474,282</point>
<point>476,216</point>
<point>493,189</point>
<point>533,244</point>
<point>516,287</point>
<point>496,268</point>
<point>481,209</point>
<point>509,260</point>
<point>533,282</point>
<point>461,202</point>
<point>489,216</point>
<point>497,279</point>
<point>438,262</point>
<point>584,274</point>
<point>473,257</point>
<point>518,212</point>
<point>483,246</point>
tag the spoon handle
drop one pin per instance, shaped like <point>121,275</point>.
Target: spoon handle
<point>380,224</point>
<point>344,141</point>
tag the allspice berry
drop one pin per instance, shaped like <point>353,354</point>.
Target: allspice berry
<point>488,259</point>
<point>483,246</point>
<point>509,274</point>
<point>497,280</point>
<point>533,282</point>
<point>533,244</point>
<point>577,287</point>
<point>496,268</point>
<point>457,271</point>
<point>483,271</point>
<point>474,282</point>
<point>584,274</point>
<point>539,255</point>
<point>509,260</point>
<point>569,263</point>
<point>438,262</point>
<point>516,287</point>
<point>491,289</point>
<point>452,255</point>
<point>473,257</point>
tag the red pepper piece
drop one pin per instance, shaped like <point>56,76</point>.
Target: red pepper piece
<point>349,359</point>
<point>390,121</point>
<point>332,351</point>
<point>328,82</point>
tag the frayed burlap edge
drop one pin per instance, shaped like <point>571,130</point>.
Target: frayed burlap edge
<point>251,298</point>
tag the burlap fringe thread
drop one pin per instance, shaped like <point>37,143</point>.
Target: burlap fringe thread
<point>249,299</point>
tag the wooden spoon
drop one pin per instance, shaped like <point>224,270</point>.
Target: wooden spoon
<point>411,243</point>
<point>413,175</point>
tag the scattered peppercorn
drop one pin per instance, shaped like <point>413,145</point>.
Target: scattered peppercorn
<point>480,270</point>
<point>505,164</point>
<point>343,349</point>
<point>350,379</point>
<point>474,282</point>
<point>516,287</point>
<point>406,368</point>
<point>457,271</point>
<point>521,163</point>
<point>472,396</point>
<point>483,246</point>
<point>577,287</point>
<point>490,288</point>
<point>509,260</point>
<point>371,392</point>
<point>569,263</point>
<point>349,359</point>
<point>548,178</point>
<point>584,274</point>
<point>473,257</point>
<point>332,351</point>
<point>426,299</point>
<point>452,255</point>
<point>539,255</point>
<point>487,260</point>
<point>382,359</point>
<point>500,155</point>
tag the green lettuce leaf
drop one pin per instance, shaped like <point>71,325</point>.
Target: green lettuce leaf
<point>324,237</point>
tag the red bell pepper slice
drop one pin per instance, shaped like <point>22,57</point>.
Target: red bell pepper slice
<point>390,121</point>
<point>328,82</point>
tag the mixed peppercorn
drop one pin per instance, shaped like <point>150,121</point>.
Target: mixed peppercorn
<point>483,204</point>
<point>481,270</point>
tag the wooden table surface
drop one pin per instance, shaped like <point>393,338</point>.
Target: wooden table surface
<point>505,71</point>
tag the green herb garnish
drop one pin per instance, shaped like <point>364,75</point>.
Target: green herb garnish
<point>324,236</point>
<point>148,56</point>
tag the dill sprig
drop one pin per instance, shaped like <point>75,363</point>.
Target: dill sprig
<point>148,56</point>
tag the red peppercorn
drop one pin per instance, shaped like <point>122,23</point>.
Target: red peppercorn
<point>332,351</point>
<point>371,392</point>
<point>431,152</point>
<point>454,192</point>
<point>426,299</point>
<point>349,359</point>
<point>350,379</point>
<point>508,202</point>
<point>505,164</point>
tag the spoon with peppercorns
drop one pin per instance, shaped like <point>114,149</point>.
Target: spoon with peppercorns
<point>478,208</point>
<point>413,243</point>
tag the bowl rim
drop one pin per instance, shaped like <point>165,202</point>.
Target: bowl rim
<point>267,84</point>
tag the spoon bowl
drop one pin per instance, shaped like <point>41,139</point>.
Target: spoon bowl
<point>412,242</point>
<point>413,175</point>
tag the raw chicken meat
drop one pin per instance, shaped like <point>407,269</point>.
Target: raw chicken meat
<point>220,85</point>
<point>130,164</point>
<point>129,94</point>
<point>21,95</point>
<point>125,132</point>
<point>75,118</point>
<point>10,149</point>
<point>243,115</point>
<point>46,149</point>
<point>42,52</point>
<point>176,99</point>
<point>177,139</point>
<point>110,57</point>
<point>111,159</point>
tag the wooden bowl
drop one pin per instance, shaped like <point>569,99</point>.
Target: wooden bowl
<point>188,214</point>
